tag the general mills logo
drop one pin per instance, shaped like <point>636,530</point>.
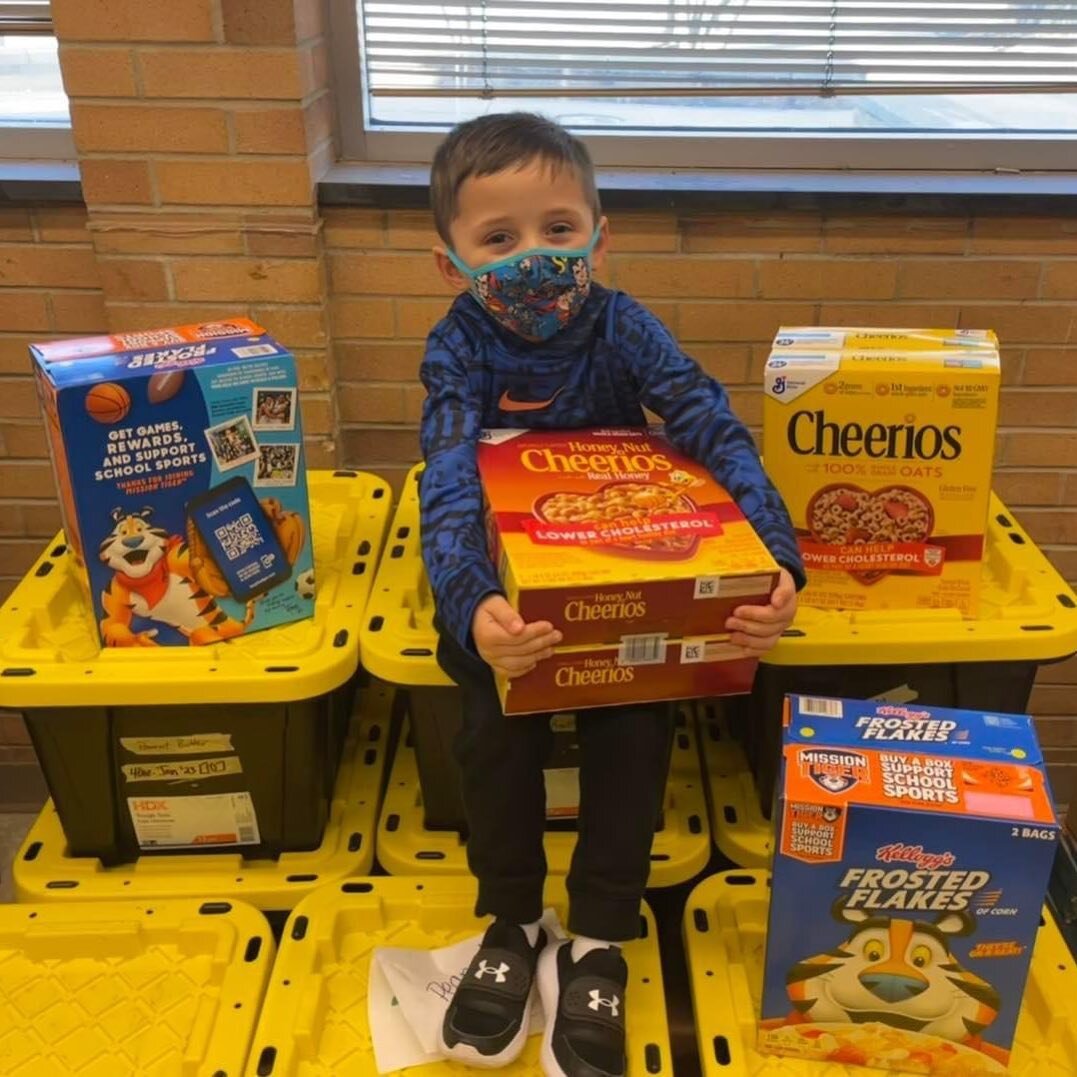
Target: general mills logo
<point>779,385</point>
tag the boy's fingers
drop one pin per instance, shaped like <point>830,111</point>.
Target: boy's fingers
<point>757,630</point>
<point>515,647</point>
<point>766,615</point>
<point>753,644</point>
<point>785,591</point>
<point>498,609</point>
<point>515,667</point>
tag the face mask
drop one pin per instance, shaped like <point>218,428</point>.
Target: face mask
<point>534,294</point>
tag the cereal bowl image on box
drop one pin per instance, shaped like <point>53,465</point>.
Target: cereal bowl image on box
<point>186,514</point>
<point>914,848</point>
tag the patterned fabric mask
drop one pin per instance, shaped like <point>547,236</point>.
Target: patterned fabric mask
<point>534,294</point>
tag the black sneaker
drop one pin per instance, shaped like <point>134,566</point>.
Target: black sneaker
<point>488,1017</point>
<point>584,1004</point>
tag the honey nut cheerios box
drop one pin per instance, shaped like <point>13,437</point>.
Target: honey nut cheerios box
<point>633,551</point>
<point>178,455</point>
<point>881,442</point>
<point>914,849</point>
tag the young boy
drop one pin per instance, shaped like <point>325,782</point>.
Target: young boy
<point>532,342</point>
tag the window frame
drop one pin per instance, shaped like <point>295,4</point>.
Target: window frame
<point>34,141</point>
<point>988,153</point>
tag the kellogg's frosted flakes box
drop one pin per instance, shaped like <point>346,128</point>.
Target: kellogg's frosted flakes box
<point>178,454</point>
<point>881,443</point>
<point>612,533</point>
<point>914,849</point>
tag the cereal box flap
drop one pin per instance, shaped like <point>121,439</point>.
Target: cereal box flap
<point>841,338</point>
<point>88,359</point>
<point>1009,738</point>
<point>604,505</point>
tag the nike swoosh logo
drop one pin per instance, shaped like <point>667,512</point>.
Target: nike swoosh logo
<point>506,403</point>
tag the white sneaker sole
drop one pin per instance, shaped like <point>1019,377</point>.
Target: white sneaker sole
<point>464,1052</point>
<point>549,992</point>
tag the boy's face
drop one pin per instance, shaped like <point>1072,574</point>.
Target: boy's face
<point>516,210</point>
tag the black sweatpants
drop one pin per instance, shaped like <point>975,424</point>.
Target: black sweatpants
<point>624,759</point>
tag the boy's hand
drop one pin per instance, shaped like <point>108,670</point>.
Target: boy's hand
<point>507,644</point>
<point>758,628</point>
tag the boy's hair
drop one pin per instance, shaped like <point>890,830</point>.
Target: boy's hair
<point>490,144</point>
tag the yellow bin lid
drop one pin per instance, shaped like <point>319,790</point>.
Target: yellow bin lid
<point>1029,613</point>
<point>50,655</point>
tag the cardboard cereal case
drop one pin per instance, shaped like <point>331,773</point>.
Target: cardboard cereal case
<point>883,455</point>
<point>613,533</point>
<point>178,454</point>
<point>647,670</point>
<point>914,849</point>
<point>633,551</point>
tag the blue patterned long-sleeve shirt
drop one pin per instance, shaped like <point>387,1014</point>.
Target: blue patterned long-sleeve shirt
<point>611,361</point>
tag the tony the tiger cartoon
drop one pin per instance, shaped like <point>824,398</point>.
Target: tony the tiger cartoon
<point>914,847</point>
<point>205,545</point>
<point>154,579</point>
<point>891,971</point>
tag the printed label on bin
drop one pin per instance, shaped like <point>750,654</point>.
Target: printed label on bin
<point>562,792</point>
<point>194,744</point>
<point>191,822</point>
<point>183,770</point>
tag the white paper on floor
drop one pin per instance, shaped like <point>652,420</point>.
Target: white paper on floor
<point>409,992</point>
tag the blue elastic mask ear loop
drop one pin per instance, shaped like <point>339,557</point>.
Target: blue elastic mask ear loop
<point>556,252</point>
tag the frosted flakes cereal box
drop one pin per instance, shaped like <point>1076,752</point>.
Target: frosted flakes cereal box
<point>914,849</point>
<point>178,454</point>
<point>643,669</point>
<point>883,454</point>
<point>611,534</point>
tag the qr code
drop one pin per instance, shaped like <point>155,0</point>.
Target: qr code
<point>239,536</point>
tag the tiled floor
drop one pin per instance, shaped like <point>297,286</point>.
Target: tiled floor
<point>13,829</point>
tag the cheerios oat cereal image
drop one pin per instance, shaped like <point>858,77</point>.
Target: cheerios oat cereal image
<point>881,443</point>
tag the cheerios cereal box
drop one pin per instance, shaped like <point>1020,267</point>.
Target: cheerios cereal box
<point>914,846</point>
<point>178,455</point>
<point>881,442</point>
<point>632,550</point>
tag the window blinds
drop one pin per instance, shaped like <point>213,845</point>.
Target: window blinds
<point>691,48</point>
<point>27,17</point>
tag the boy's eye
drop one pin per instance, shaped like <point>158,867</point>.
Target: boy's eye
<point>562,228</point>
<point>497,239</point>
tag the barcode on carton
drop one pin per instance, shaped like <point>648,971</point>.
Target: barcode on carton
<point>252,350</point>
<point>706,587</point>
<point>648,650</point>
<point>821,708</point>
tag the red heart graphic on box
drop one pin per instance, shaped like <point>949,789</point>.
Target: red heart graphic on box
<point>624,503</point>
<point>845,514</point>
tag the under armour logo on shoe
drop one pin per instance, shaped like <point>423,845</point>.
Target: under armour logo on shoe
<point>611,1004</point>
<point>498,973</point>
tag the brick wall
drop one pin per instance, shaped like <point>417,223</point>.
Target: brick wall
<point>49,286</point>
<point>723,282</point>
<point>201,128</point>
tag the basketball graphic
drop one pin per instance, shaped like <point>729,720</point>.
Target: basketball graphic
<point>108,402</point>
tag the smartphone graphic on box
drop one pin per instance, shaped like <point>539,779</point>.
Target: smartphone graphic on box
<point>240,537</point>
